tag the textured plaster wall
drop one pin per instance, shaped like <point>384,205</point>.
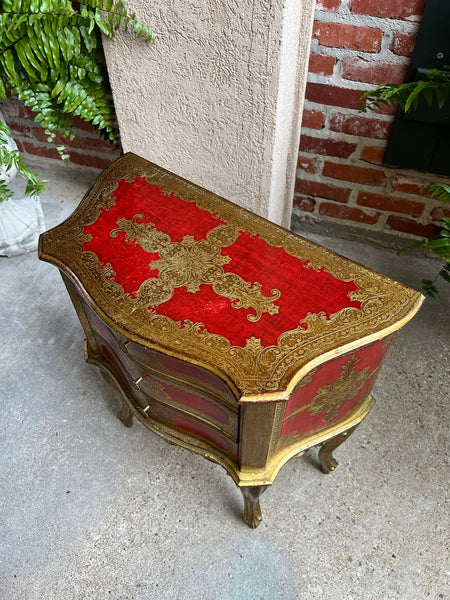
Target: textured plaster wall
<point>217,98</point>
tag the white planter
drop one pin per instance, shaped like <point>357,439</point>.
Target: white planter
<point>21,218</point>
<point>21,222</point>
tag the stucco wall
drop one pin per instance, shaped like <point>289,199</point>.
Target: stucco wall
<point>217,98</point>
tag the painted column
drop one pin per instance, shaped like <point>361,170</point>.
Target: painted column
<point>218,97</point>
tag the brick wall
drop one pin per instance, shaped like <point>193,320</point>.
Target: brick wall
<point>87,148</point>
<point>357,44</point>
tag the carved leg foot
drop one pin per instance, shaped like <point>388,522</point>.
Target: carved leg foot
<point>327,461</point>
<point>125,415</point>
<point>252,510</point>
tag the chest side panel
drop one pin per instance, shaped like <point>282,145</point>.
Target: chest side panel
<point>329,393</point>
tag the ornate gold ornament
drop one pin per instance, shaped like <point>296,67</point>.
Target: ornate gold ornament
<point>190,263</point>
<point>330,398</point>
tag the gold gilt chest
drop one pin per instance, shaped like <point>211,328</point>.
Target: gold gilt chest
<point>222,332</point>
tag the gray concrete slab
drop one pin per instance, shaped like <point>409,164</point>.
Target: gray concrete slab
<point>90,509</point>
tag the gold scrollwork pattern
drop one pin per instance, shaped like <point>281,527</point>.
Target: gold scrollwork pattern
<point>192,263</point>
<point>330,398</point>
<point>251,370</point>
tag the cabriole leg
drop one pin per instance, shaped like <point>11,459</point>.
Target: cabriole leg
<point>327,461</point>
<point>252,509</point>
<point>125,415</point>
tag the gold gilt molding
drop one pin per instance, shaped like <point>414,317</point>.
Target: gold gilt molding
<point>253,371</point>
<point>192,263</point>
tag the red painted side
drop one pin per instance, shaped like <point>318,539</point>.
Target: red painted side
<point>302,423</point>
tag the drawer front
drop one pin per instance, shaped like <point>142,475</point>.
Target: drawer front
<point>173,369</point>
<point>170,394</point>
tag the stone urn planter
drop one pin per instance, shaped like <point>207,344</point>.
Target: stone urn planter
<point>21,217</point>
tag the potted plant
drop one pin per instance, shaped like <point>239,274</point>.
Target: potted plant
<point>434,88</point>
<point>51,58</point>
<point>21,219</point>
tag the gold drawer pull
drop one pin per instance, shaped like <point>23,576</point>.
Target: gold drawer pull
<point>136,383</point>
<point>124,346</point>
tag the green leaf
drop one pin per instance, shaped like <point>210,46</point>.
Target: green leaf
<point>438,243</point>
<point>60,84</point>
<point>443,273</point>
<point>8,61</point>
<point>28,59</point>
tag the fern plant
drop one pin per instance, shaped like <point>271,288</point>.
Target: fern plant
<point>11,158</point>
<point>51,58</point>
<point>435,88</point>
<point>407,95</point>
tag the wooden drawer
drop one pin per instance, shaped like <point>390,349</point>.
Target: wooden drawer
<point>144,374</point>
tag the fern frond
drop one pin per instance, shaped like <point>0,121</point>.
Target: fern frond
<point>51,57</point>
<point>407,95</point>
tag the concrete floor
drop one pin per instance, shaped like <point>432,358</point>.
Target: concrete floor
<point>90,509</point>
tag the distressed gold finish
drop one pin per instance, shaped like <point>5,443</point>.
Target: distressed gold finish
<point>252,509</point>
<point>192,263</point>
<point>125,415</point>
<point>330,398</point>
<point>327,461</point>
<point>125,336</point>
<point>156,369</point>
<point>253,372</point>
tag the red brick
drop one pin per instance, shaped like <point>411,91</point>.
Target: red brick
<point>372,71</point>
<point>337,35</point>
<point>354,173</point>
<point>307,164</point>
<point>14,109</point>
<point>91,143</point>
<point>384,110</point>
<point>337,211</point>
<point>32,148</point>
<point>332,95</point>
<point>328,5</point>
<point>389,9</point>
<point>41,136</point>
<point>410,226</point>
<point>314,119</point>
<point>95,143</point>
<point>92,161</point>
<point>75,157</point>
<point>373,154</point>
<point>390,203</point>
<point>403,43</point>
<point>326,146</point>
<point>322,190</point>
<point>411,185</point>
<point>304,204</point>
<point>20,129</point>
<point>360,126</point>
<point>321,64</point>
<point>438,213</point>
